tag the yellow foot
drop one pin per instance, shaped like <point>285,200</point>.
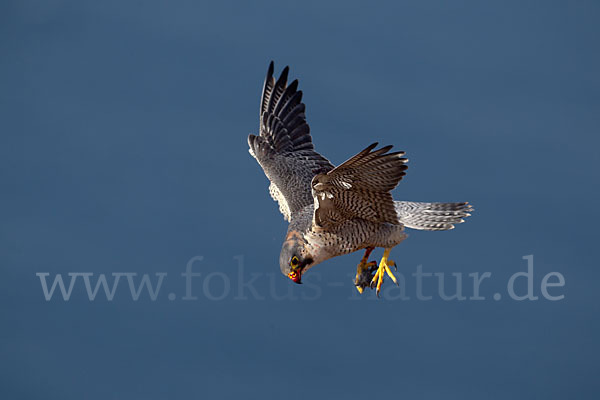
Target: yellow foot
<point>384,268</point>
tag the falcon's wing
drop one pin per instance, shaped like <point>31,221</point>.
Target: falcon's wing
<point>284,148</point>
<point>360,187</point>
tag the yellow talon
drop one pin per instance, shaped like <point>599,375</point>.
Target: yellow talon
<point>391,263</point>
<point>384,268</point>
<point>391,275</point>
<point>369,275</point>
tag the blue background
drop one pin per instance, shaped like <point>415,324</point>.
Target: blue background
<point>123,148</point>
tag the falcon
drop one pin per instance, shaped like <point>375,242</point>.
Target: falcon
<point>335,210</point>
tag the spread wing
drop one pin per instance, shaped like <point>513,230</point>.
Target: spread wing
<point>284,148</point>
<point>359,188</point>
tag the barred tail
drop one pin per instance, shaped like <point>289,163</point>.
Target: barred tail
<point>431,216</point>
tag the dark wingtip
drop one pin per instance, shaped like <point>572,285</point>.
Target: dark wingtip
<point>284,74</point>
<point>270,71</point>
<point>372,146</point>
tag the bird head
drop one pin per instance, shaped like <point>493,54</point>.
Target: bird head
<point>295,259</point>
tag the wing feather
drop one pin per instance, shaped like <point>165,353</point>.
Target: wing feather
<point>284,147</point>
<point>359,188</point>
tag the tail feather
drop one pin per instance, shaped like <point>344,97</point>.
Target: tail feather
<point>431,216</point>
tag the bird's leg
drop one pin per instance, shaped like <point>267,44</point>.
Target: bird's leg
<point>364,271</point>
<point>384,268</point>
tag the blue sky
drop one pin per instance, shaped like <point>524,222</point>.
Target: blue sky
<point>123,148</point>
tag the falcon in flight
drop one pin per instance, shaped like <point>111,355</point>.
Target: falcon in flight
<point>335,210</point>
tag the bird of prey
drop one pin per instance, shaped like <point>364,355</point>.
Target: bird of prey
<point>335,210</point>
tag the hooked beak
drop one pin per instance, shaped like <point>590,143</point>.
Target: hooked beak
<point>295,276</point>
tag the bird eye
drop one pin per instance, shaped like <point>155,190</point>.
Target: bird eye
<point>294,261</point>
